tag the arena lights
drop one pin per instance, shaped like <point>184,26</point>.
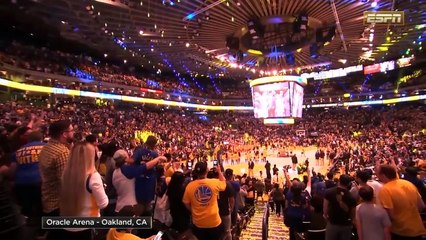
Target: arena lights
<point>278,121</point>
<point>69,92</point>
<point>62,91</point>
<point>272,79</point>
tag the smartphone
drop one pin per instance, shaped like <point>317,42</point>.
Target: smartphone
<point>158,236</point>
<point>189,165</point>
<point>215,163</point>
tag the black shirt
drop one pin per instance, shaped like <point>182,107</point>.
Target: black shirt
<point>223,201</point>
<point>336,215</point>
<point>330,184</point>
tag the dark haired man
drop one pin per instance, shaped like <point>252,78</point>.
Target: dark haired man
<point>52,160</point>
<point>229,175</point>
<point>402,202</point>
<point>372,221</point>
<point>145,184</point>
<point>25,165</point>
<point>200,198</point>
<point>339,210</point>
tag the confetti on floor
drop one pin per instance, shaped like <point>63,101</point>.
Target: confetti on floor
<point>277,229</point>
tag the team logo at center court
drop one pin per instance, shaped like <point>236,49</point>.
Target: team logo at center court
<point>203,194</point>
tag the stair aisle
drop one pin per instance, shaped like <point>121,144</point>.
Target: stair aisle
<point>277,229</point>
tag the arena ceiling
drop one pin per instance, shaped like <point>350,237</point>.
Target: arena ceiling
<point>189,36</point>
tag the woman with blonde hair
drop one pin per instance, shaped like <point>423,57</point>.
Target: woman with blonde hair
<point>82,190</point>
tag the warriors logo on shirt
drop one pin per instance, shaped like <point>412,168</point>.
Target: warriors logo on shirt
<point>203,194</point>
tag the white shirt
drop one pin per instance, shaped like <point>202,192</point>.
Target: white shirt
<point>94,201</point>
<point>125,189</point>
<point>376,187</point>
<point>293,173</point>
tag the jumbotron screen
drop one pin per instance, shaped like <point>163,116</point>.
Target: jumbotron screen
<point>277,100</point>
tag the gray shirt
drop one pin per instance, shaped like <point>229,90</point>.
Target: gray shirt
<point>373,219</point>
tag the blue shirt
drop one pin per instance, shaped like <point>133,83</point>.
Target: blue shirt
<point>145,183</point>
<point>236,187</point>
<point>26,159</point>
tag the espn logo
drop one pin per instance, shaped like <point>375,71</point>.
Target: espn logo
<point>384,17</point>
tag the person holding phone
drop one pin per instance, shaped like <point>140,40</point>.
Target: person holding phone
<point>200,198</point>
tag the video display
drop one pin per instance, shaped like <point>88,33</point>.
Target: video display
<point>282,99</point>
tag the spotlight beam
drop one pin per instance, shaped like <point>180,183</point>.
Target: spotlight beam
<point>192,15</point>
<point>339,27</point>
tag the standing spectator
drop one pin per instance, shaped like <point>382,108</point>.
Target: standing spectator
<point>226,203</point>
<point>178,211</point>
<point>229,176</point>
<point>82,192</point>
<point>260,189</point>
<point>363,178</point>
<point>411,176</point>
<point>268,170</point>
<point>25,165</point>
<point>123,181</point>
<point>145,184</point>
<point>250,168</point>
<point>200,198</point>
<point>402,202</point>
<point>339,210</point>
<point>52,160</point>
<point>372,221</point>
<point>330,183</point>
<point>317,225</point>
<point>275,170</point>
<point>294,161</point>
<point>277,195</point>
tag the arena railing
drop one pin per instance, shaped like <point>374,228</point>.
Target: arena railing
<point>265,222</point>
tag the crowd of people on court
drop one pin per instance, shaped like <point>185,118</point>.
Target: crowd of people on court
<point>86,160</point>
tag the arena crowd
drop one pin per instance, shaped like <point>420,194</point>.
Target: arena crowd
<point>87,160</point>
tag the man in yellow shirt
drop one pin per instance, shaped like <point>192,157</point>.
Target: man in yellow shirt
<point>403,203</point>
<point>200,198</point>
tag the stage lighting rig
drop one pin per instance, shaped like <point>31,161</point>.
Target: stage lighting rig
<point>313,49</point>
<point>300,23</point>
<point>255,29</point>
<point>168,2</point>
<point>290,60</point>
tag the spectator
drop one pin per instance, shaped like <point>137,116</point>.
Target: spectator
<point>25,165</point>
<point>277,195</point>
<point>82,193</point>
<point>145,184</point>
<point>123,181</point>
<point>268,170</point>
<point>402,202</point>
<point>339,210</point>
<point>200,198</point>
<point>260,189</point>
<point>226,203</point>
<point>180,214</point>
<point>52,160</point>
<point>229,176</point>
<point>372,221</point>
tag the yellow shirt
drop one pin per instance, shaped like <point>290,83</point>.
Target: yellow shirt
<point>402,197</point>
<point>113,234</point>
<point>169,172</point>
<point>202,195</point>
